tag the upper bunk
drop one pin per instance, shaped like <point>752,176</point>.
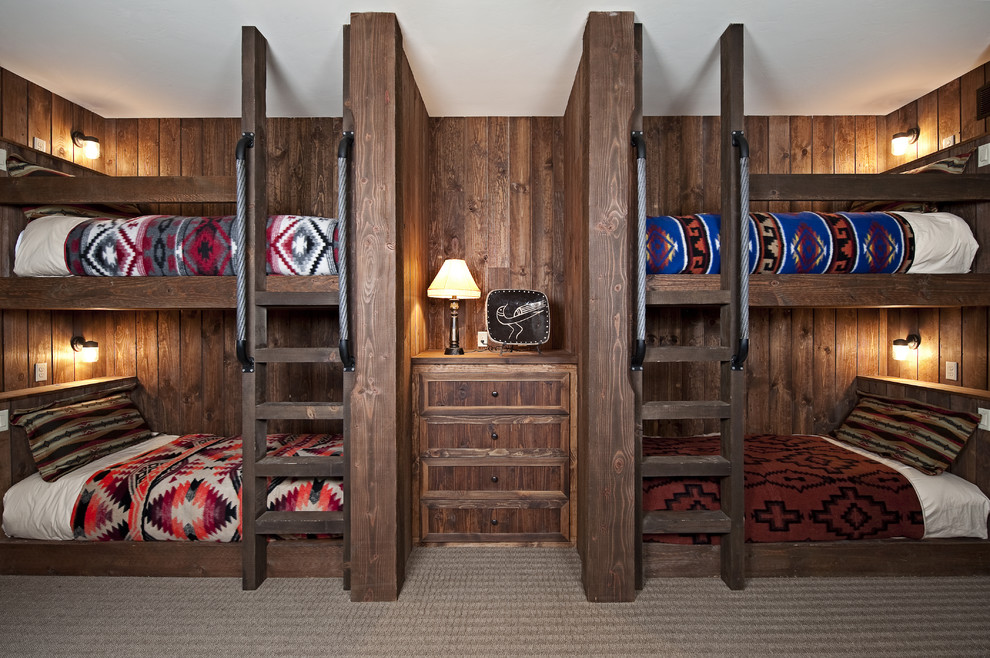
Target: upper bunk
<point>85,186</point>
<point>965,195</point>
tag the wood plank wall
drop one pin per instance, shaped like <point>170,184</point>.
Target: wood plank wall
<point>496,199</point>
<point>184,359</point>
<point>497,202</point>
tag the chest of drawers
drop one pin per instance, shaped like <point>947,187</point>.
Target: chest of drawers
<point>496,448</point>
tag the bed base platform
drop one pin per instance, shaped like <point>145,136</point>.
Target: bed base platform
<point>286,558</point>
<point>888,557</point>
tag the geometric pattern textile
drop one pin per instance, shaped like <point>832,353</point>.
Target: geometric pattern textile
<point>190,489</point>
<point>797,488</point>
<point>920,435</point>
<point>167,245</point>
<point>785,243</point>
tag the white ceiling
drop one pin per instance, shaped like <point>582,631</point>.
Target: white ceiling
<point>181,58</point>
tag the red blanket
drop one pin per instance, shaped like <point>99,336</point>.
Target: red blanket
<point>798,488</point>
<point>190,489</point>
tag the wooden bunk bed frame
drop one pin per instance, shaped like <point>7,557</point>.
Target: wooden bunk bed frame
<point>602,112</point>
<point>391,203</point>
<point>879,557</point>
<point>295,558</point>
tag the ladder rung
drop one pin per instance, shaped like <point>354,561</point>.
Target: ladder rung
<point>275,299</point>
<point>688,298</point>
<point>686,466</point>
<point>300,523</point>
<point>684,354</point>
<point>300,466</point>
<point>688,522</point>
<point>300,410</point>
<point>691,409</point>
<point>297,355</point>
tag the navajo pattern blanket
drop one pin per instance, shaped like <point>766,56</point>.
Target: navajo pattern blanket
<point>190,489</point>
<point>166,245</point>
<point>785,243</point>
<point>797,488</point>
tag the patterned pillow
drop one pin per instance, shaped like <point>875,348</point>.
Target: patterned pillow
<point>18,167</point>
<point>954,165</point>
<point>914,433</point>
<point>65,438</point>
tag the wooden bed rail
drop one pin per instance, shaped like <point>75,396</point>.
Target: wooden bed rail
<point>868,187</point>
<point>124,189</point>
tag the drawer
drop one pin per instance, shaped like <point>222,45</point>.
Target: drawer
<point>438,476</point>
<point>536,432</point>
<point>545,392</point>
<point>492,524</point>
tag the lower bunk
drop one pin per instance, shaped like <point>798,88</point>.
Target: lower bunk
<point>90,490</point>
<point>818,506</point>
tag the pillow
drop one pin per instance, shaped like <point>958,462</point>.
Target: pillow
<point>18,167</point>
<point>40,248</point>
<point>953,165</point>
<point>65,438</point>
<point>920,435</point>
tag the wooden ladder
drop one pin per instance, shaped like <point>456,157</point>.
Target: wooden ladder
<point>258,523</point>
<point>730,405</point>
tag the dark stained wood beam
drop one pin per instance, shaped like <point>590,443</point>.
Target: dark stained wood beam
<point>869,187</point>
<point>127,189</point>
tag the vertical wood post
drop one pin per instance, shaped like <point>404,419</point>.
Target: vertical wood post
<point>599,120</point>
<point>373,488</point>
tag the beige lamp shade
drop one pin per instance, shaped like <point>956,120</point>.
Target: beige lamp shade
<point>454,281</point>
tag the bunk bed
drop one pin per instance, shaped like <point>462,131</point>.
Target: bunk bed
<point>252,293</point>
<point>735,292</point>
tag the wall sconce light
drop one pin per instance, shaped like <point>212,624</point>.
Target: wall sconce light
<point>902,345</point>
<point>900,141</point>
<point>89,145</point>
<point>89,349</point>
<point>453,282</point>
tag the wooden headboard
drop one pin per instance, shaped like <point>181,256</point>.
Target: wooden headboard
<point>973,463</point>
<point>16,462</point>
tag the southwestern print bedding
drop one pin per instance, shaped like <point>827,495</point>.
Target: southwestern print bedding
<point>166,245</point>
<point>817,243</point>
<point>190,489</point>
<point>797,488</point>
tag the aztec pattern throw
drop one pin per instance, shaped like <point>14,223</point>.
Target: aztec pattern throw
<point>166,245</point>
<point>190,489</point>
<point>785,243</point>
<point>798,488</point>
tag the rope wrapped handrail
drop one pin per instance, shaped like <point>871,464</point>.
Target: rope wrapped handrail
<point>343,151</point>
<point>739,141</point>
<point>639,351</point>
<point>240,250</point>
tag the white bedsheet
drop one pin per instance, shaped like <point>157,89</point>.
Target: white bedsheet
<point>952,506</point>
<point>35,509</point>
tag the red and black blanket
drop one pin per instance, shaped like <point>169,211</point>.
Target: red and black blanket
<point>190,489</point>
<point>798,488</point>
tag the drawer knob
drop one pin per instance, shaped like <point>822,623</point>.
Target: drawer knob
<point>494,521</point>
<point>494,436</point>
<point>494,394</point>
<point>494,478</point>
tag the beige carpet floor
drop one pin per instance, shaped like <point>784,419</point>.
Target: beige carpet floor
<point>490,601</point>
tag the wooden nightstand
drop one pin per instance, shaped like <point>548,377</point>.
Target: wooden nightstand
<point>496,447</point>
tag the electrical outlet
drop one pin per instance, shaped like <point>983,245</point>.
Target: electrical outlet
<point>983,156</point>
<point>984,419</point>
<point>3,159</point>
<point>40,372</point>
<point>951,370</point>
<point>482,339</point>
<point>4,420</point>
<point>40,144</point>
<point>949,141</point>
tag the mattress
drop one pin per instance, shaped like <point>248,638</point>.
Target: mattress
<point>167,245</point>
<point>168,488</point>
<point>811,488</point>
<point>817,243</point>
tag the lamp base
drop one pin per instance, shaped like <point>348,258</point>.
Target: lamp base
<point>454,350</point>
